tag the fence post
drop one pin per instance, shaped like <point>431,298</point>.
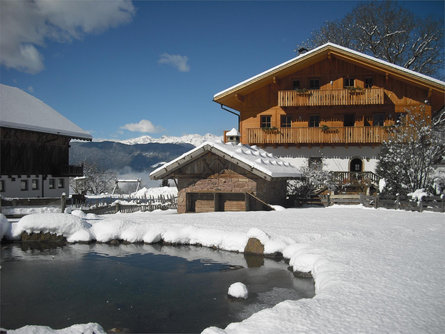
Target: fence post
<point>63,202</point>
<point>376,202</point>
<point>117,207</point>
<point>420,204</point>
<point>397,202</point>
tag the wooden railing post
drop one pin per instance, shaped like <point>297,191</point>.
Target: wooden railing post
<point>63,202</point>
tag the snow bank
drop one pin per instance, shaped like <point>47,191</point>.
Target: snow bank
<point>72,227</point>
<point>155,192</point>
<point>238,290</point>
<point>90,328</point>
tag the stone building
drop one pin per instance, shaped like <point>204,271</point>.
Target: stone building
<point>219,176</point>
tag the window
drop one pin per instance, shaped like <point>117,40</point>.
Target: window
<point>349,120</point>
<point>378,119</point>
<point>24,185</point>
<point>2,186</point>
<point>35,184</point>
<point>51,184</point>
<point>314,83</point>
<point>60,183</point>
<point>285,121</point>
<point>348,82</point>
<point>296,84</point>
<point>368,83</point>
<point>265,121</point>
<point>315,163</point>
<point>314,121</point>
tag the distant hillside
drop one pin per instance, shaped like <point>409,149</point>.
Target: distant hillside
<point>121,157</point>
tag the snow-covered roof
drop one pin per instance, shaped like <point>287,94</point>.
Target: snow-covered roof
<point>233,132</point>
<point>335,47</point>
<point>20,110</point>
<point>252,158</point>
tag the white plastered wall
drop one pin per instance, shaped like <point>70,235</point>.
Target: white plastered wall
<point>334,158</point>
<point>12,186</point>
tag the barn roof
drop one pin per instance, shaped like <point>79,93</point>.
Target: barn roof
<point>20,110</point>
<point>251,158</point>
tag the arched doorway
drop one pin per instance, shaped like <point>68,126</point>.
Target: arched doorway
<point>356,165</point>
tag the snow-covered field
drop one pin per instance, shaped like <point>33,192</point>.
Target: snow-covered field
<point>376,271</point>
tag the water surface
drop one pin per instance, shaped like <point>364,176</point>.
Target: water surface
<point>137,288</point>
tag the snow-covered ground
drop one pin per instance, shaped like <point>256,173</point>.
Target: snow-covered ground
<point>376,271</point>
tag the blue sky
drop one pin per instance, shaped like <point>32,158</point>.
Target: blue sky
<point>148,67</point>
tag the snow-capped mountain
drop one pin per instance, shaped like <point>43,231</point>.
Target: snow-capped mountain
<point>193,139</point>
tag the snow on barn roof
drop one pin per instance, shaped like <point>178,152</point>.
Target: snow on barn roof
<point>342,50</point>
<point>252,158</point>
<point>20,110</point>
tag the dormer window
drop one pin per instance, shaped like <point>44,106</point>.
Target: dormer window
<point>348,82</point>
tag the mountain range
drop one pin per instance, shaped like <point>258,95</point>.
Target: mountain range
<point>136,155</point>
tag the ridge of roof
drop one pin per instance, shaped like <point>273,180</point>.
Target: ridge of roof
<point>315,51</point>
<point>21,110</point>
<point>253,157</point>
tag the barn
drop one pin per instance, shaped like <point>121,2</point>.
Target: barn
<point>218,176</point>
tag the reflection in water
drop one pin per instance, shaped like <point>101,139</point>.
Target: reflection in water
<point>138,288</point>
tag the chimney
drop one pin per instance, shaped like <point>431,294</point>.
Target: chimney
<point>233,136</point>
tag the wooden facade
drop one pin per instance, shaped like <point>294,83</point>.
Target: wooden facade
<point>331,96</point>
<point>35,153</point>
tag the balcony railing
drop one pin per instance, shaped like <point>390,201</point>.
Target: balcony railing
<point>318,135</point>
<point>333,97</point>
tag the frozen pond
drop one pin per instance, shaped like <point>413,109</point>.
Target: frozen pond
<point>137,288</point>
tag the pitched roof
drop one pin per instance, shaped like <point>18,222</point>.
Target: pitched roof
<point>252,158</point>
<point>342,52</point>
<point>20,110</point>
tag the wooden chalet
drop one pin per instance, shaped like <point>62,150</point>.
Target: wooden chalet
<point>330,106</point>
<point>34,147</point>
<point>219,176</point>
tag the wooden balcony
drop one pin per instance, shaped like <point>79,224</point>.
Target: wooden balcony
<point>333,97</point>
<point>318,135</point>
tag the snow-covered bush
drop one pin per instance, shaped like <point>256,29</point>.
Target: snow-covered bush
<point>312,179</point>
<point>407,158</point>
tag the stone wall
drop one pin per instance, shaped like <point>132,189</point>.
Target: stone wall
<point>214,174</point>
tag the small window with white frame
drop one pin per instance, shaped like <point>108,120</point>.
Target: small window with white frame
<point>51,184</point>
<point>2,186</point>
<point>35,184</point>
<point>24,185</point>
<point>60,183</point>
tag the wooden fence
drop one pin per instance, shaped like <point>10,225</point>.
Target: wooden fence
<point>431,203</point>
<point>16,208</point>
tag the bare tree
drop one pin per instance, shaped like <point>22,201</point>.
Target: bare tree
<point>97,180</point>
<point>407,159</point>
<point>387,31</point>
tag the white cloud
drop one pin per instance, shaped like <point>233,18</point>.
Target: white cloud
<point>143,125</point>
<point>27,24</point>
<point>177,61</point>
